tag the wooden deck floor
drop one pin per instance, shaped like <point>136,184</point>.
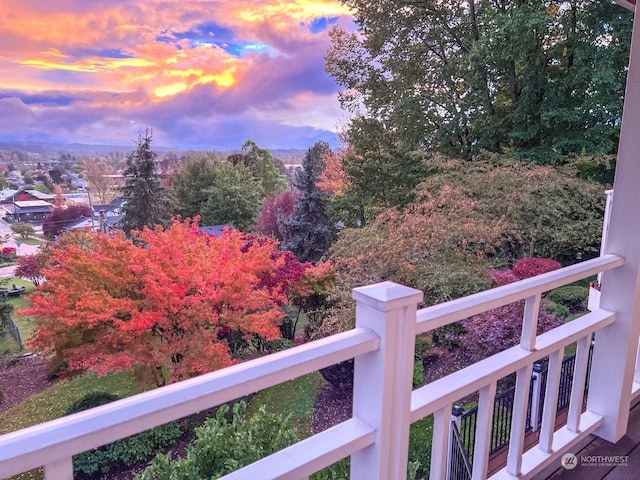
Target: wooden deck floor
<point>629,445</point>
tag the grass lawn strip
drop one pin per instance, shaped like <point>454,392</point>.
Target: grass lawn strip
<point>297,397</point>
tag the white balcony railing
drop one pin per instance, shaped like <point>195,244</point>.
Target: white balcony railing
<point>376,437</point>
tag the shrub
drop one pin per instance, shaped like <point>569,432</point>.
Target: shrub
<point>278,345</point>
<point>418,373</point>
<point>562,311</point>
<point>91,400</point>
<point>423,345</point>
<point>222,447</point>
<point>572,297</point>
<point>129,451</point>
<point>530,267</point>
<point>339,375</point>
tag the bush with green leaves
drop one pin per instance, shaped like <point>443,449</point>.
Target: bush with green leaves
<point>223,446</point>
<point>128,451</point>
<point>573,297</point>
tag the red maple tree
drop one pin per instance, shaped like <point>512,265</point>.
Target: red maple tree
<point>161,304</point>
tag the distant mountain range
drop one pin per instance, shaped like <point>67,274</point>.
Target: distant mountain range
<point>49,149</point>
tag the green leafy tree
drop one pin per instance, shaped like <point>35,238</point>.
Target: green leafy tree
<point>310,232</point>
<point>234,197</point>
<point>381,171</point>
<point>23,229</point>
<point>465,76</point>
<point>269,171</point>
<point>147,201</point>
<point>191,183</point>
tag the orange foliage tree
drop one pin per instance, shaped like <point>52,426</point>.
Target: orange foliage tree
<point>161,304</point>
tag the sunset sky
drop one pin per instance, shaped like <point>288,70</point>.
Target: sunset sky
<point>200,74</point>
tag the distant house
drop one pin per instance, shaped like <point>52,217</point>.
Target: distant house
<point>30,211</point>
<point>7,194</point>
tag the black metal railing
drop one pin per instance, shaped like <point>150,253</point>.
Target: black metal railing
<point>459,462</point>
<point>503,407</point>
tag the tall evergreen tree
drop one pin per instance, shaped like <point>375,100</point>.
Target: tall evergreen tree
<point>309,232</point>
<point>147,201</point>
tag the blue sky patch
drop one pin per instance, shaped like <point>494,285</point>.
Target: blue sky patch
<point>319,25</point>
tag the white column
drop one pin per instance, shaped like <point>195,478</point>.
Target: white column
<point>615,348</point>
<point>383,379</point>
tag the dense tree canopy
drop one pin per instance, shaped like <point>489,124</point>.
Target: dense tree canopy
<point>191,183</point>
<point>234,197</point>
<point>60,217</point>
<point>466,76</point>
<point>163,305</point>
<point>268,170</point>
<point>546,211</point>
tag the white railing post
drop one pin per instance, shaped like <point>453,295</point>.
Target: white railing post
<point>383,379</point>
<point>614,352</point>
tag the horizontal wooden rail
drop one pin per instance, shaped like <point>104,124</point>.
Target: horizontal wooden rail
<point>58,439</point>
<point>443,314</point>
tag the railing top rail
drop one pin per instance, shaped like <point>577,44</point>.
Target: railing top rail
<point>443,314</point>
<point>449,389</point>
<point>24,449</point>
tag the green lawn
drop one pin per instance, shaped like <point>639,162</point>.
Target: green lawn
<point>53,403</point>
<point>24,323</point>
<point>297,397</point>
<point>32,241</point>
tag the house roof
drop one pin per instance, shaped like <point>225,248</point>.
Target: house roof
<point>41,196</point>
<point>32,203</point>
<point>215,230</point>
<point>7,193</point>
<point>81,223</point>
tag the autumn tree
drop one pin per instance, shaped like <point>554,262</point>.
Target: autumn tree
<point>442,244</point>
<point>309,232</point>
<point>490,332</point>
<point>29,267</point>
<point>276,211</point>
<point>160,305</point>
<point>147,201</point>
<point>55,221</point>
